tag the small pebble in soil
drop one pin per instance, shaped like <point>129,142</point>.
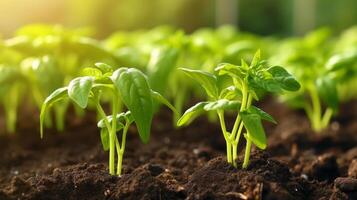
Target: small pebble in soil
<point>346,184</point>
<point>335,126</point>
<point>107,192</point>
<point>352,169</point>
<point>15,172</point>
<point>304,176</point>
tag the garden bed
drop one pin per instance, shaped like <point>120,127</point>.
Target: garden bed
<point>186,163</point>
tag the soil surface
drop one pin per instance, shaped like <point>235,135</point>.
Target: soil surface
<point>186,163</point>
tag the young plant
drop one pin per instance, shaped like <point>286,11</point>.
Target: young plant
<point>247,82</point>
<point>127,85</point>
<point>321,74</point>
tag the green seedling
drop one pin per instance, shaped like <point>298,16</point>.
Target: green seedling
<point>247,82</point>
<point>321,74</point>
<point>128,86</point>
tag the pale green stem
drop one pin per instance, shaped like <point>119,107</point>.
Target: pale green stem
<point>247,153</point>
<point>112,135</point>
<point>60,112</point>
<point>242,107</point>
<point>121,153</point>
<point>225,135</point>
<point>109,128</point>
<point>327,117</point>
<point>235,154</point>
<point>316,110</point>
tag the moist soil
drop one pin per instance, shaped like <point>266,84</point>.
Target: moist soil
<point>185,163</point>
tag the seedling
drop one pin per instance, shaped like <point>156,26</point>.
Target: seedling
<point>320,72</point>
<point>127,85</point>
<point>247,82</point>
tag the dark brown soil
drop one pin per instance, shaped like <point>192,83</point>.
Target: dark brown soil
<point>187,163</point>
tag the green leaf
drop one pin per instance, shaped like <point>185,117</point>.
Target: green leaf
<point>342,60</point>
<point>121,120</point>
<point>263,115</point>
<point>135,93</point>
<point>91,71</point>
<point>162,63</point>
<point>159,98</point>
<point>256,58</point>
<point>57,95</point>
<point>207,80</point>
<point>230,93</point>
<point>191,113</point>
<point>327,90</point>
<point>104,137</point>
<point>255,131</point>
<point>222,104</point>
<point>231,70</point>
<point>79,89</point>
<point>104,68</point>
<point>284,78</point>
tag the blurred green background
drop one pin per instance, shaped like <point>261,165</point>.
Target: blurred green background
<point>279,17</point>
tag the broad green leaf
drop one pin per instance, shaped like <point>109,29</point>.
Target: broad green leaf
<point>104,137</point>
<point>253,123</point>
<point>79,89</point>
<point>263,115</point>
<point>230,93</point>
<point>222,104</point>
<point>91,71</point>
<point>207,80</point>
<point>284,78</point>
<point>9,75</point>
<point>327,90</point>
<point>105,68</point>
<point>162,63</point>
<point>231,70</point>
<point>159,98</point>
<point>135,93</point>
<point>342,60</point>
<point>191,114</point>
<point>57,95</point>
<point>121,119</point>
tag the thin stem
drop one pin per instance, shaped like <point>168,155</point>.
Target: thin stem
<point>225,135</point>
<point>236,140</point>
<point>223,124</point>
<point>242,107</point>
<point>109,128</point>
<point>121,152</point>
<point>327,117</point>
<point>60,112</point>
<point>316,109</point>
<point>247,153</point>
<point>112,135</point>
<point>229,152</point>
<point>235,154</point>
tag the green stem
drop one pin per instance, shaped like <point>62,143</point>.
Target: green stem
<point>229,152</point>
<point>247,153</point>
<point>242,107</point>
<point>225,135</point>
<point>121,152</point>
<point>316,110</point>
<point>112,136</point>
<point>327,117</point>
<point>111,142</point>
<point>235,154</point>
<point>60,112</point>
<point>179,101</point>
